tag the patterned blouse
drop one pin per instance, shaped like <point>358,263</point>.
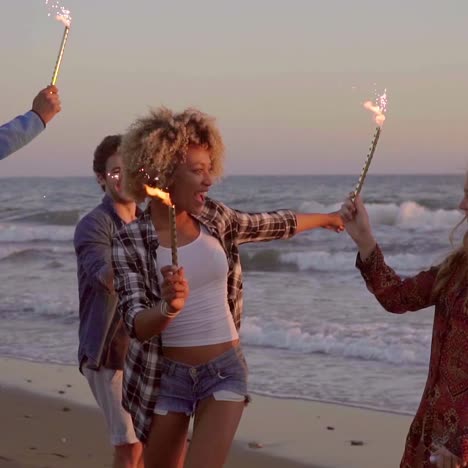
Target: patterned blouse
<point>442,416</point>
<point>136,282</point>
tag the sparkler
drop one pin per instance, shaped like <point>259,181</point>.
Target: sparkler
<point>379,110</point>
<point>62,15</point>
<point>166,199</point>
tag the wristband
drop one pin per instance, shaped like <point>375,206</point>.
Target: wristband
<point>163,310</point>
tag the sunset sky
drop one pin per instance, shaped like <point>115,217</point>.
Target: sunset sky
<point>286,80</point>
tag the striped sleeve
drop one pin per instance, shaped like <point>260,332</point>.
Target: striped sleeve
<point>259,227</point>
<point>129,282</point>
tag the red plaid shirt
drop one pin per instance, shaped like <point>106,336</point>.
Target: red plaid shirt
<point>134,257</point>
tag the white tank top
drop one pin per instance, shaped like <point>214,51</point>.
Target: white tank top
<point>206,318</point>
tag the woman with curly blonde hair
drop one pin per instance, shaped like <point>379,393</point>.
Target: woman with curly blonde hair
<point>439,432</point>
<point>185,357</point>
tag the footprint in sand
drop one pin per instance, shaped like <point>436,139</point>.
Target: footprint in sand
<point>356,442</point>
<point>255,445</point>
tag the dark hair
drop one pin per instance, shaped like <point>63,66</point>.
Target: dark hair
<point>107,148</point>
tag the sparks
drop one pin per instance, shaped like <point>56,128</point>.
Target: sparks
<point>161,194</point>
<point>166,199</point>
<point>59,12</point>
<point>379,108</point>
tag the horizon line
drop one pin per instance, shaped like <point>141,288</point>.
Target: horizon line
<point>393,174</point>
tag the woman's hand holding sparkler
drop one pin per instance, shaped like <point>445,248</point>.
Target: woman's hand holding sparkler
<point>47,104</point>
<point>174,290</point>
<point>357,225</point>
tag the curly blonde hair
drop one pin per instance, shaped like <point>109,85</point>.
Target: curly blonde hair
<point>455,266</point>
<point>156,144</point>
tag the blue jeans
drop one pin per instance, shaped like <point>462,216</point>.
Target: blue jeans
<point>183,386</point>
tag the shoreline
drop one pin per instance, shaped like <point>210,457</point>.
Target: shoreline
<point>273,432</point>
<point>254,393</point>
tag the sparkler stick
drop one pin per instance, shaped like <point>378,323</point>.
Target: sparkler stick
<point>62,15</point>
<point>172,221</point>
<point>379,111</point>
<point>60,56</point>
<point>166,199</point>
<point>370,155</point>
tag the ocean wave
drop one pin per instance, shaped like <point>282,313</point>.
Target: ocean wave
<point>40,314</point>
<point>408,214</point>
<point>10,232</point>
<point>413,215</point>
<point>51,218</point>
<point>370,342</point>
<point>276,260</point>
<point>268,260</point>
<point>25,255</point>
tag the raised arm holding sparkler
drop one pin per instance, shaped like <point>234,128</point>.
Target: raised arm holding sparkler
<point>440,426</point>
<point>24,128</point>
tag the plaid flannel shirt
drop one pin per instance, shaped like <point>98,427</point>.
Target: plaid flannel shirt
<point>134,256</point>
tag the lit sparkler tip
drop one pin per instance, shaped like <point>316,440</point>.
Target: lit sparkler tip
<point>60,13</point>
<point>379,108</point>
<point>158,193</point>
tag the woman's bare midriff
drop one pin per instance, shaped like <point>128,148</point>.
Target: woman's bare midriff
<point>196,355</point>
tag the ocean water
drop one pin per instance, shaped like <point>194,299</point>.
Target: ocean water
<point>311,330</point>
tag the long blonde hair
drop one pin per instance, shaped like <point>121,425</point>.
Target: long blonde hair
<point>455,263</point>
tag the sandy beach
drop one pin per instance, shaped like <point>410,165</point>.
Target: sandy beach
<point>50,420</point>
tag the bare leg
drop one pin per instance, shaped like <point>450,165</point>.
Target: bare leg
<point>141,463</point>
<point>166,442</point>
<point>214,428</point>
<point>128,456</point>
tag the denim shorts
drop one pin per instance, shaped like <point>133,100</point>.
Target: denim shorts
<point>183,386</point>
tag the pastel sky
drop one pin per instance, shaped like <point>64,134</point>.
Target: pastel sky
<point>285,79</point>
